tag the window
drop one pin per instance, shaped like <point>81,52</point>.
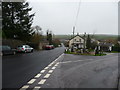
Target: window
<point>80,40</point>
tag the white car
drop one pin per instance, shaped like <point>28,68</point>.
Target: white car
<point>24,48</point>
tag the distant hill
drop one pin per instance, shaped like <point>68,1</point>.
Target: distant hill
<point>63,36</point>
<point>96,36</point>
<point>104,36</point>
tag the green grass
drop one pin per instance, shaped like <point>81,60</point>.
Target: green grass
<point>100,54</point>
<point>115,52</point>
<point>93,55</point>
<point>68,52</point>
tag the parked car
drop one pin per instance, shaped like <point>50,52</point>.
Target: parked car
<point>6,50</point>
<point>49,47</point>
<point>24,48</point>
<point>59,45</point>
<point>52,46</point>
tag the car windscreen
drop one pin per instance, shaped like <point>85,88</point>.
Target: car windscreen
<point>20,46</point>
<point>6,48</point>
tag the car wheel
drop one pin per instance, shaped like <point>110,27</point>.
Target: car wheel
<point>25,51</point>
<point>1,54</point>
<point>32,50</point>
<point>14,53</point>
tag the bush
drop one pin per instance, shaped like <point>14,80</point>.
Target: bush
<point>12,42</point>
<point>56,42</point>
<point>116,47</point>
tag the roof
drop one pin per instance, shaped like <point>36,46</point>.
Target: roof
<point>119,42</point>
<point>75,36</point>
<point>105,44</point>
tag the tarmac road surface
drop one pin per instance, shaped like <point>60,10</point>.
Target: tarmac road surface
<point>18,69</point>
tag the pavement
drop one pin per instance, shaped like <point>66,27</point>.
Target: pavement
<point>78,71</point>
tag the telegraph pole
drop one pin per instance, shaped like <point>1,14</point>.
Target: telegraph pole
<point>73,30</point>
<point>84,42</point>
<point>72,49</point>
<point>77,14</point>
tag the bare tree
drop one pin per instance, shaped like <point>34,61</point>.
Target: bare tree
<point>49,36</point>
<point>37,30</point>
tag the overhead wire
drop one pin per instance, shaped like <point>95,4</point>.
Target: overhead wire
<point>77,13</point>
<point>74,27</point>
<point>76,18</point>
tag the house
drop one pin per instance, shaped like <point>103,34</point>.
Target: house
<point>119,42</point>
<point>95,41</point>
<point>106,46</point>
<point>77,42</point>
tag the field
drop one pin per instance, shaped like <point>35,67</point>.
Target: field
<point>96,36</point>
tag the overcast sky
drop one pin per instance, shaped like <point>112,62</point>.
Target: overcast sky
<point>94,17</point>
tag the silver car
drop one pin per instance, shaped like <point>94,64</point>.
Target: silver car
<point>24,48</point>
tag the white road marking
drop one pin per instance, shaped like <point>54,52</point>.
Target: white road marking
<point>46,67</point>
<point>25,87</point>
<point>38,75</point>
<point>42,71</point>
<point>31,81</point>
<point>42,81</point>
<point>47,76</point>
<point>96,61</point>
<point>49,65</point>
<point>56,65</point>
<point>71,61</point>
<point>58,57</point>
<point>37,88</point>
<point>52,63</point>
<point>55,60</point>
<point>53,67</point>
<point>50,71</point>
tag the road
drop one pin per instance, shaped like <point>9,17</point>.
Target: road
<point>85,72</point>
<point>79,71</point>
<point>41,69</point>
<point>18,69</point>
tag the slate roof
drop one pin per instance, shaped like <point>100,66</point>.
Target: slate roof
<point>75,36</point>
<point>105,44</point>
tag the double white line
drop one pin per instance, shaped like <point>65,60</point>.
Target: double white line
<point>42,81</point>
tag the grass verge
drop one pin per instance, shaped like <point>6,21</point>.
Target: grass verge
<point>68,52</point>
